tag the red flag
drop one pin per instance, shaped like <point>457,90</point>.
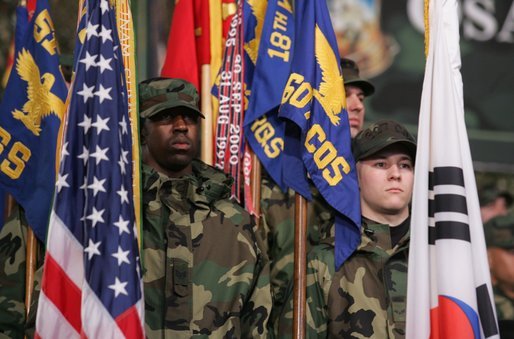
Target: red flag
<point>188,41</point>
<point>31,7</point>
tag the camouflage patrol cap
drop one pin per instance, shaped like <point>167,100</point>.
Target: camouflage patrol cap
<point>489,194</point>
<point>499,232</point>
<point>378,136</point>
<point>351,77</point>
<point>159,94</point>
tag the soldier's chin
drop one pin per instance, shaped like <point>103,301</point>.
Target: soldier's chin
<point>353,131</point>
<point>180,162</point>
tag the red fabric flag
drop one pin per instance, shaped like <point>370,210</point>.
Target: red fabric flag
<point>188,41</point>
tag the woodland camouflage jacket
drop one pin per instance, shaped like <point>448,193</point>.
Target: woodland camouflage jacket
<point>364,298</point>
<point>205,274</point>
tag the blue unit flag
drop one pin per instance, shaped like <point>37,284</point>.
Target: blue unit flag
<point>30,117</point>
<point>314,100</point>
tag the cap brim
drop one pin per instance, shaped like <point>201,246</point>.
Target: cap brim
<point>411,148</point>
<point>156,109</point>
<point>367,88</point>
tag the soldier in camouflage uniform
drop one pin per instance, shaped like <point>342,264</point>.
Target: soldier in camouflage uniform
<point>499,234</point>
<point>365,297</point>
<point>278,207</point>
<point>12,276</point>
<point>205,274</point>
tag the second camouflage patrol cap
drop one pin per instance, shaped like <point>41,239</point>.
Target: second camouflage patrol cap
<point>159,94</point>
<point>490,193</point>
<point>378,136</point>
<point>499,232</point>
<point>351,77</point>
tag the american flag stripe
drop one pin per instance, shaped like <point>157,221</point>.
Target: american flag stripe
<point>100,323</point>
<point>62,292</point>
<point>65,250</point>
<point>129,322</point>
<point>48,329</point>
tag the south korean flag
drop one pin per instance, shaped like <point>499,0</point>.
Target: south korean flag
<point>449,287</point>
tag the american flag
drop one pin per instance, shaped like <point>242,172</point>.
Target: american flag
<point>92,283</point>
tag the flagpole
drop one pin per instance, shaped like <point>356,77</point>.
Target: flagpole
<point>300,267</point>
<point>31,248</point>
<point>206,108</point>
<point>255,183</point>
<point>30,268</point>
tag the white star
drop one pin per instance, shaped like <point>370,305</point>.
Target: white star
<point>122,256</point>
<point>84,187</point>
<point>137,266</point>
<point>104,5</point>
<point>124,156</point>
<point>114,49</point>
<point>104,64</point>
<point>123,125</point>
<point>84,155</point>
<point>103,93</point>
<point>122,225</point>
<point>96,216</point>
<point>89,60</point>
<point>122,165</point>
<point>92,249</point>
<point>86,124</point>
<point>118,287</point>
<point>97,186</point>
<point>101,124</point>
<point>91,30</point>
<point>64,151</point>
<point>123,193</point>
<point>87,92</point>
<point>100,154</point>
<point>105,34</point>
<point>61,182</point>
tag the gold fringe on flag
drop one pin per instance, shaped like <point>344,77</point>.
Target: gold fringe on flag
<point>125,27</point>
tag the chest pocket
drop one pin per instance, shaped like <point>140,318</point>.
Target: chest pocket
<point>395,276</point>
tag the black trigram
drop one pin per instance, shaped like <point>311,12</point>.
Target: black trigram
<point>450,201</point>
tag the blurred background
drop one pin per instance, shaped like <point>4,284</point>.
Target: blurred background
<point>386,39</point>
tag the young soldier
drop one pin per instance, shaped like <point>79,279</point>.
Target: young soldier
<point>278,207</point>
<point>204,273</point>
<point>365,297</point>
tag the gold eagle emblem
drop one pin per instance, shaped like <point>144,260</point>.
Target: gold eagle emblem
<point>41,101</point>
<point>259,11</point>
<point>331,90</point>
